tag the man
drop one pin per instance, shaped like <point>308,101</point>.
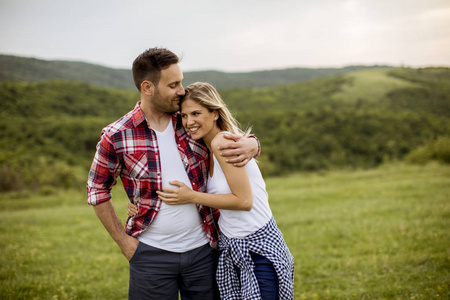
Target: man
<point>170,248</point>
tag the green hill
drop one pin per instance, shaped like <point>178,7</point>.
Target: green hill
<point>267,78</point>
<point>49,129</point>
<point>13,68</point>
<point>329,122</point>
<point>371,85</point>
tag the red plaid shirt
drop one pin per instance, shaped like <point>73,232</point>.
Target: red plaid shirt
<point>128,148</point>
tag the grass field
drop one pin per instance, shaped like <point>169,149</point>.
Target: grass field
<point>368,234</point>
<point>370,85</point>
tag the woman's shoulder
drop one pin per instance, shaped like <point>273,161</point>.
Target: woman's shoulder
<point>220,139</point>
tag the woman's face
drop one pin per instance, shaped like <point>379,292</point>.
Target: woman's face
<point>197,119</point>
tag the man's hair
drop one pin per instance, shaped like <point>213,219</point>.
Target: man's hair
<point>148,65</point>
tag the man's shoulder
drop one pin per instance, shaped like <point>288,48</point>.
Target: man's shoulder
<point>126,122</point>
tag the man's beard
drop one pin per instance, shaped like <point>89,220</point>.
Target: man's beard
<point>165,105</point>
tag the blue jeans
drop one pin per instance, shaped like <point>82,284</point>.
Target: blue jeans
<point>159,274</point>
<point>266,275</point>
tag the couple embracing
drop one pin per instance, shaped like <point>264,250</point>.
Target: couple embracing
<point>200,223</point>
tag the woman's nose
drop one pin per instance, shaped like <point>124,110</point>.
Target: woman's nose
<point>189,120</point>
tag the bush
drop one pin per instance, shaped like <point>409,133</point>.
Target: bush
<point>10,179</point>
<point>40,173</point>
<point>433,150</point>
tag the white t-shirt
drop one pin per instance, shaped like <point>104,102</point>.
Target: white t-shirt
<point>239,223</point>
<point>176,228</point>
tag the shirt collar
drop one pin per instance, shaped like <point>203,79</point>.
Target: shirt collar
<point>138,117</point>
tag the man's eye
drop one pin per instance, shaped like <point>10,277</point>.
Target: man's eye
<point>183,115</point>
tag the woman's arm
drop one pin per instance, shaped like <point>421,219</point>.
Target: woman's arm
<point>184,195</point>
<point>241,197</point>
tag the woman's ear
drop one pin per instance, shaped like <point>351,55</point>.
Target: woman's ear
<point>147,87</point>
<point>216,115</point>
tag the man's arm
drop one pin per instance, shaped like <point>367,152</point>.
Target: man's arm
<point>241,150</point>
<point>102,177</point>
<point>107,215</point>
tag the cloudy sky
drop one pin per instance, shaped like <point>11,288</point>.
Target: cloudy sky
<point>231,35</point>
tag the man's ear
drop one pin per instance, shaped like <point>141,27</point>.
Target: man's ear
<point>147,87</point>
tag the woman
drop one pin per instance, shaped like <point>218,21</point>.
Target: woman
<point>255,262</point>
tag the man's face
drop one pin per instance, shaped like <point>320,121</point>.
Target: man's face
<point>169,90</point>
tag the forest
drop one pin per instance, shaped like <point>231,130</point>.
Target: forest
<point>357,119</point>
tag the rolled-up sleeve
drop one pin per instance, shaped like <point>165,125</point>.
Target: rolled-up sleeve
<point>103,173</point>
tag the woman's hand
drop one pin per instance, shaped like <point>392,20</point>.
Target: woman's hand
<point>132,209</point>
<point>176,196</point>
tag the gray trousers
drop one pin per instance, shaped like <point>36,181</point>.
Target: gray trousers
<point>159,274</point>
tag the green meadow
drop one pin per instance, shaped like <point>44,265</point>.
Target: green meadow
<point>382,233</point>
<point>370,84</point>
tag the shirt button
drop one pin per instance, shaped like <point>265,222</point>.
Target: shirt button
<point>193,183</point>
<point>159,174</point>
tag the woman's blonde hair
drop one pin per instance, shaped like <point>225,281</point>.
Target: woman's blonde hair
<point>207,96</point>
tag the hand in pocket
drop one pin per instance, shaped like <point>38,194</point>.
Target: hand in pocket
<point>129,247</point>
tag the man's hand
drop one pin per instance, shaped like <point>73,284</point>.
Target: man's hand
<point>105,212</point>
<point>129,246</point>
<point>239,152</point>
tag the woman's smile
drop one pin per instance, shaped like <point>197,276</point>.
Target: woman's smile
<point>193,129</point>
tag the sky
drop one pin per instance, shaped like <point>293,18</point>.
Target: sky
<point>231,35</point>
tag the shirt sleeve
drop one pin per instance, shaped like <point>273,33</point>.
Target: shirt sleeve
<point>103,173</point>
<point>258,153</point>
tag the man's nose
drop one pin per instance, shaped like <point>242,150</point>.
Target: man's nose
<point>181,91</point>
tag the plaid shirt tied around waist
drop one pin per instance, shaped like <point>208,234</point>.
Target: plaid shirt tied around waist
<point>268,242</point>
<point>128,148</point>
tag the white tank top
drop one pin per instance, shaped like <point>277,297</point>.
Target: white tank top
<point>239,223</point>
<point>176,228</point>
